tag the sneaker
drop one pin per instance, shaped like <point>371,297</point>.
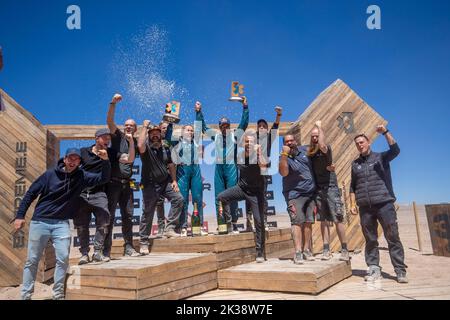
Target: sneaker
<point>373,274</point>
<point>183,232</point>
<point>203,233</point>
<point>326,255</point>
<point>99,257</point>
<point>160,230</point>
<point>298,257</point>
<point>308,255</point>
<point>266,227</point>
<point>58,298</point>
<point>83,260</point>
<point>143,250</point>
<point>130,252</point>
<point>401,277</point>
<point>345,256</point>
<point>171,234</point>
<point>235,229</point>
<point>249,225</point>
<point>259,257</point>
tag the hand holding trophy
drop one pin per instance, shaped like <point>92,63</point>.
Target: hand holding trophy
<point>172,114</point>
<point>237,90</point>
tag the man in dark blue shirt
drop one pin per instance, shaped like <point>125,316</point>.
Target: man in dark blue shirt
<point>298,190</point>
<point>58,190</point>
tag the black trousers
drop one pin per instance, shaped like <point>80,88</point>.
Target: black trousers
<point>151,194</point>
<point>122,194</point>
<point>386,215</point>
<point>96,203</point>
<point>248,207</point>
<point>160,212</point>
<point>256,200</point>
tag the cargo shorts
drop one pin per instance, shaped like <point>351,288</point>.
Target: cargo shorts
<point>301,210</point>
<point>329,204</point>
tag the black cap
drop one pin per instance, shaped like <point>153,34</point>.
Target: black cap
<point>72,151</point>
<point>101,132</point>
<point>262,120</point>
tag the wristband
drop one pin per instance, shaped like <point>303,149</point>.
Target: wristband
<point>385,132</point>
<point>284,154</point>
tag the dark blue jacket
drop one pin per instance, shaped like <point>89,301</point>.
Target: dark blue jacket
<point>371,178</point>
<point>58,192</point>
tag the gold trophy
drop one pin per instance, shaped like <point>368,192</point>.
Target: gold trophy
<point>172,114</point>
<point>237,90</point>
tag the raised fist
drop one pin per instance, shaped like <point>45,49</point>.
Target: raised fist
<point>244,100</point>
<point>286,149</point>
<point>129,137</point>
<point>102,154</point>
<point>381,129</point>
<point>146,123</point>
<point>318,123</point>
<point>117,98</point>
<point>198,106</point>
<point>278,110</point>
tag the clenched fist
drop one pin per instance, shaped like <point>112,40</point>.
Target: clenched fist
<point>146,123</point>
<point>102,154</point>
<point>129,137</point>
<point>318,124</point>
<point>198,106</point>
<point>278,110</point>
<point>285,149</point>
<point>381,129</point>
<point>117,98</point>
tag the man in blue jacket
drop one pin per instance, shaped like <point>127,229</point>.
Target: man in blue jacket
<point>58,190</point>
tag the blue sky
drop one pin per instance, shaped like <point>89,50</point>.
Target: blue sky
<point>285,52</point>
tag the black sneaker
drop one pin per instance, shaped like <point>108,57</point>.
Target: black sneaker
<point>235,229</point>
<point>259,257</point>
<point>308,255</point>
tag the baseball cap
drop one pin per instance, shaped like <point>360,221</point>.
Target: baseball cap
<point>101,132</point>
<point>72,151</point>
<point>151,128</point>
<point>262,120</point>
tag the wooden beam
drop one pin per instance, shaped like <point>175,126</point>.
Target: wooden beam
<point>87,132</point>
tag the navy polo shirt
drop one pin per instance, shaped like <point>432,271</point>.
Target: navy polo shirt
<point>299,181</point>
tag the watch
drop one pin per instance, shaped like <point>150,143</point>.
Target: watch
<point>387,130</point>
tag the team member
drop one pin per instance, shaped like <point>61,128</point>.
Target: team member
<point>160,204</point>
<point>189,177</point>
<point>58,190</point>
<point>157,182</point>
<point>298,190</point>
<point>225,175</point>
<point>119,188</point>
<point>371,189</point>
<point>94,199</point>
<point>328,197</point>
<point>265,139</point>
<point>250,187</point>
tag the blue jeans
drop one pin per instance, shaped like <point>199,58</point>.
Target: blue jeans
<point>58,231</point>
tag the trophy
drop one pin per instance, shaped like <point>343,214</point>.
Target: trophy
<point>172,114</point>
<point>236,91</point>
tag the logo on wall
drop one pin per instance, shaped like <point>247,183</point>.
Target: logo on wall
<point>345,121</point>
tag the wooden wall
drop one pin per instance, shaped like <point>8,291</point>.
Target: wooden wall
<point>343,114</point>
<point>24,156</point>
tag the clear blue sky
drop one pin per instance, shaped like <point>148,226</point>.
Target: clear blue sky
<point>285,52</point>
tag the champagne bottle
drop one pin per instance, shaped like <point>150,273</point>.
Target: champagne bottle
<point>195,222</point>
<point>221,222</point>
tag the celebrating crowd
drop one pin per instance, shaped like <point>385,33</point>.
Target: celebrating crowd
<point>97,179</point>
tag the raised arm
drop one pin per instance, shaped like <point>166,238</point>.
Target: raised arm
<point>199,117</point>
<point>143,137</point>
<point>111,111</point>
<point>283,166</point>
<point>245,115</point>
<point>394,149</point>
<point>276,124</point>
<point>322,145</point>
<point>169,134</point>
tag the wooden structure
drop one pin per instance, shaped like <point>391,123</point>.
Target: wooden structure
<point>438,216</point>
<point>228,250</point>
<point>27,149</point>
<point>282,275</point>
<point>342,112</point>
<point>156,276</point>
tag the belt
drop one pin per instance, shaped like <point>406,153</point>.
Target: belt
<point>123,181</point>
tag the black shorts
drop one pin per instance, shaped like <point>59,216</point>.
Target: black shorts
<point>329,204</point>
<point>301,210</point>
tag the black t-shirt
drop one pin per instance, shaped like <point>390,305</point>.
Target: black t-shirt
<point>120,143</point>
<point>92,163</point>
<point>250,178</point>
<point>320,161</point>
<point>154,164</point>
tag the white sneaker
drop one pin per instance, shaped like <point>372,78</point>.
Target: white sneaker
<point>184,232</point>
<point>203,233</point>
